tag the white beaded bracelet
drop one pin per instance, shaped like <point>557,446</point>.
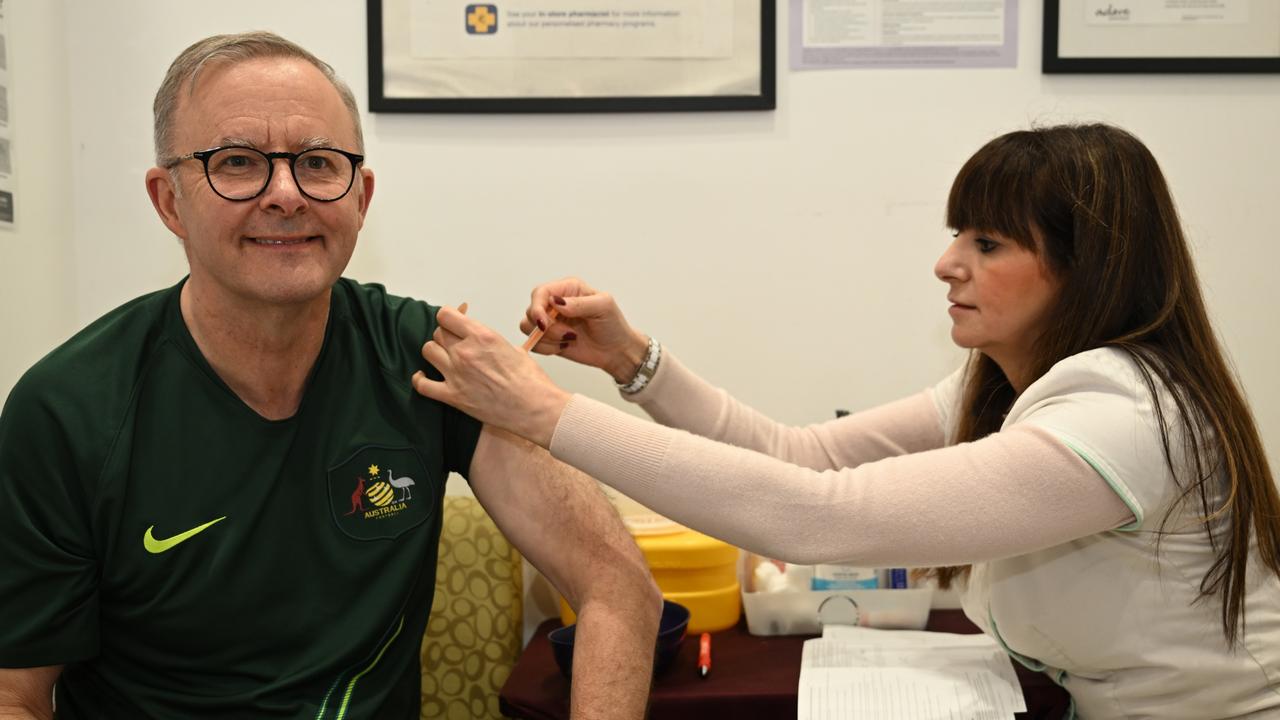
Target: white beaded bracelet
<point>645,372</point>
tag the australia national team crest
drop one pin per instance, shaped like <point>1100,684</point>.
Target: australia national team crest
<point>380,493</point>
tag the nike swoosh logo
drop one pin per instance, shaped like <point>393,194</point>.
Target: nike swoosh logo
<point>155,547</point>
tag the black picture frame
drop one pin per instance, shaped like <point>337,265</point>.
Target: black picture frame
<point>765,99</point>
<point>1054,63</point>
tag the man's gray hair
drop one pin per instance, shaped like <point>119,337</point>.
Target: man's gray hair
<point>186,69</point>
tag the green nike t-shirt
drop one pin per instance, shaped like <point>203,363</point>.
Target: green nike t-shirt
<point>184,557</point>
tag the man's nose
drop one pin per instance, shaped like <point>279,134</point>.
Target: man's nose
<point>282,191</point>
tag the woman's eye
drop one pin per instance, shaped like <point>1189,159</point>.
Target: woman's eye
<point>985,245</point>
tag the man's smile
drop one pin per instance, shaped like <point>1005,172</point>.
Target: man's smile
<point>294,240</point>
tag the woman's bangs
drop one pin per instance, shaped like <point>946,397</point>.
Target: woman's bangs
<point>993,193</point>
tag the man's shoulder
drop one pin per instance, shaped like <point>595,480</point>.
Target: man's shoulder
<point>394,325</point>
<point>110,351</point>
<point>373,299</point>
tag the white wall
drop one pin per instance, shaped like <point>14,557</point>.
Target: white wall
<point>37,290</point>
<point>786,255</point>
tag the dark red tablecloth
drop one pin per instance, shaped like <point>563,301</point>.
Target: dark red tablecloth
<point>751,677</point>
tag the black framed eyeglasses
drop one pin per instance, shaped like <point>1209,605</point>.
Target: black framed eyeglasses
<point>242,173</point>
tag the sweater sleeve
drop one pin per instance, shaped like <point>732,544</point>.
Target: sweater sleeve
<point>1011,493</point>
<point>679,398</point>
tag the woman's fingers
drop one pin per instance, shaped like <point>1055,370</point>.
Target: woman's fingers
<point>445,337</point>
<point>586,307</point>
<point>434,353</point>
<point>550,346</point>
<point>549,321</point>
<point>442,338</point>
<point>454,320</point>
<point>536,315</point>
<point>485,376</point>
<point>571,300</point>
<point>442,335</point>
<point>428,388</point>
<point>544,296</point>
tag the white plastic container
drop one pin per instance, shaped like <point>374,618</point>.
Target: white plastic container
<point>803,612</point>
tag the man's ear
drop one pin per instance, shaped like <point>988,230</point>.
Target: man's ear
<point>366,196</point>
<point>164,198</point>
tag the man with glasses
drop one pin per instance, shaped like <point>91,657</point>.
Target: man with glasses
<point>237,172</point>
<point>223,499</point>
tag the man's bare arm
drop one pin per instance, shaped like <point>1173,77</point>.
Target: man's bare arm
<point>561,521</point>
<point>27,693</point>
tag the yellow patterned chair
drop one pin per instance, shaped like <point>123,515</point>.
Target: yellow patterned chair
<point>474,633</point>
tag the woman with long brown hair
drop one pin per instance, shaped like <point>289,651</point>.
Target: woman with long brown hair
<point>1092,479</point>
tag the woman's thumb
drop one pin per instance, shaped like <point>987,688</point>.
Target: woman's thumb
<point>582,306</point>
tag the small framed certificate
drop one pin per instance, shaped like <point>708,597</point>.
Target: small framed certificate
<point>527,56</point>
<point>1161,36</point>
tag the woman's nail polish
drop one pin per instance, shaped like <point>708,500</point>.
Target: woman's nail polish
<point>571,335</point>
<point>558,300</point>
<point>541,326</point>
<point>564,345</point>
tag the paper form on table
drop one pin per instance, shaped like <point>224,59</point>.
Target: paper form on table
<point>854,672</point>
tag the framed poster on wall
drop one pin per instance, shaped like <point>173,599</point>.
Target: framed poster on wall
<point>1161,36</point>
<point>511,56</point>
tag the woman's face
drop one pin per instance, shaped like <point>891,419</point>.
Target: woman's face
<point>1000,293</point>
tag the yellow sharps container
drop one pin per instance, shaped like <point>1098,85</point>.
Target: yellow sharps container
<point>694,570</point>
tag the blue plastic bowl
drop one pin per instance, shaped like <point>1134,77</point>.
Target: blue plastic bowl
<point>675,619</point>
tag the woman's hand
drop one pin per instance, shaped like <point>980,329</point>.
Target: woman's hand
<point>590,328</point>
<point>490,379</point>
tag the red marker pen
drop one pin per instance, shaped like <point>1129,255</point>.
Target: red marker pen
<point>704,655</point>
